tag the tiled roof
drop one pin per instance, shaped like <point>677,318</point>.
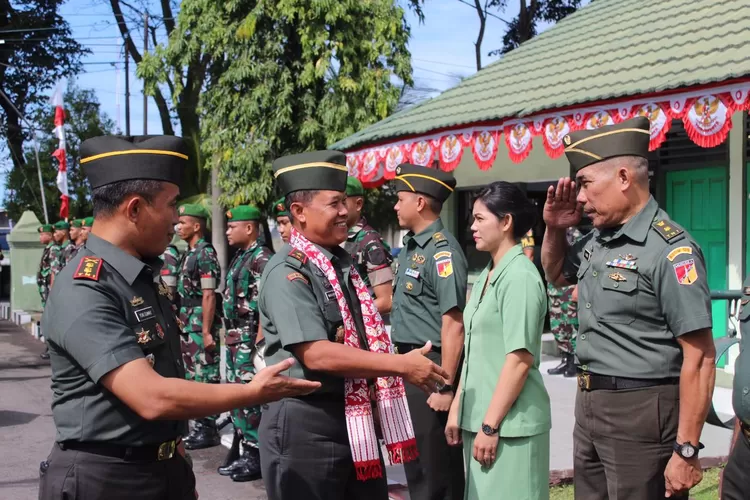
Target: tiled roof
<point>607,50</point>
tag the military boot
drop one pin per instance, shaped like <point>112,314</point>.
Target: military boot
<point>249,469</point>
<point>560,369</point>
<point>570,368</point>
<point>231,462</point>
<point>197,424</point>
<point>207,437</point>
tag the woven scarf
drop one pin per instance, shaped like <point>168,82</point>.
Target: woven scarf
<point>390,395</point>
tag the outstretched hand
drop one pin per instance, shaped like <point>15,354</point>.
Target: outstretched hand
<point>562,210</point>
<point>271,386</point>
<point>422,372</point>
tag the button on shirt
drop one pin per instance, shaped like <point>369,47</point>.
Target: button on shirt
<point>641,285</point>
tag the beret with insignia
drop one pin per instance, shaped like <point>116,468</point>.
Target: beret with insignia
<point>45,228</point>
<point>76,223</point>
<point>315,170</point>
<point>243,213</point>
<point>62,225</point>
<point>279,209</point>
<point>354,187</point>
<point>194,210</point>
<point>88,222</point>
<point>629,138</point>
<point>108,159</point>
<point>430,181</point>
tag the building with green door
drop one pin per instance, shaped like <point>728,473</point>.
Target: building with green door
<point>684,65</point>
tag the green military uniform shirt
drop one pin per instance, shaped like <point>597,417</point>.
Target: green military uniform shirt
<point>171,268</point>
<point>741,393</point>
<point>298,304</point>
<point>108,308</point>
<point>431,279</point>
<point>241,292</point>
<point>640,286</point>
<point>199,270</point>
<point>51,263</point>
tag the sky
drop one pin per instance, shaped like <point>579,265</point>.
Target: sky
<point>442,50</point>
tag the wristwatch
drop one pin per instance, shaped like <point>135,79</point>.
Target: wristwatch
<point>489,430</point>
<point>446,388</point>
<point>687,450</point>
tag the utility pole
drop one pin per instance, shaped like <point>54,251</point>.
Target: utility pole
<point>127,88</point>
<point>145,51</point>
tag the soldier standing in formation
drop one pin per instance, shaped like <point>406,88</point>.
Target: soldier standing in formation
<point>242,326</point>
<point>62,239</point>
<point>86,226</point>
<point>196,286</point>
<point>645,345</point>
<point>76,226</point>
<point>314,307</point>
<point>120,401</point>
<point>50,264</point>
<point>368,250</point>
<point>283,223</point>
<point>428,300</point>
<point>171,269</point>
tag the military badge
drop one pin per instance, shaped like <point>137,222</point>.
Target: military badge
<point>182,209</point>
<point>159,331</point>
<point>628,256</point>
<point>617,277</point>
<point>144,336</point>
<point>622,264</point>
<point>229,214</point>
<point>164,290</point>
<point>340,333</point>
<point>418,259</point>
<point>297,276</point>
<point>413,273</point>
<point>438,236</point>
<point>444,264</point>
<point>679,251</point>
<point>136,301</point>
<point>280,207</point>
<point>409,286</point>
<point>144,314</point>
<point>665,230</point>
<point>587,254</point>
<point>89,268</point>
<point>685,272</point>
<point>151,360</point>
<point>566,140</point>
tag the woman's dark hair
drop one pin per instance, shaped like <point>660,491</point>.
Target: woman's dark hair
<point>503,198</point>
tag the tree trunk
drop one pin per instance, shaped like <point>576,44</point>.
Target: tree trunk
<point>482,23</point>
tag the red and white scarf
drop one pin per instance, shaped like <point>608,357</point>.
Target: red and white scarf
<point>395,419</point>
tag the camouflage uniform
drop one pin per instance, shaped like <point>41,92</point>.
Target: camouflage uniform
<point>198,264</point>
<point>563,310</point>
<point>240,306</point>
<point>171,268</point>
<point>51,263</point>
<point>69,250</point>
<point>371,255</point>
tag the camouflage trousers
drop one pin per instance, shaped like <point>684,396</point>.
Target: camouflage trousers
<point>200,365</point>
<point>563,318</point>
<point>240,370</point>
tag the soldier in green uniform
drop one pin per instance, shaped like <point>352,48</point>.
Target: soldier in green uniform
<point>196,286</point>
<point>86,225</point>
<point>171,269</point>
<point>242,326</point>
<point>283,224</point>
<point>644,346</point>
<point>119,398</point>
<point>314,306</point>
<point>428,299</point>
<point>50,264</point>
<point>736,477</point>
<point>62,238</point>
<point>368,250</point>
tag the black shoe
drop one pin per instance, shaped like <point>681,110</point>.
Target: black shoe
<point>249,469</point>
<point>207,437</point>
<point>570,369</point>
<point>560,369</point>
<point>231,461</point>
<point>197,424</point>
<point>45,354</point>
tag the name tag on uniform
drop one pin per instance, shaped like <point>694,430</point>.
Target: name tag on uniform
<point>144,314</point>
<point>413,273</point>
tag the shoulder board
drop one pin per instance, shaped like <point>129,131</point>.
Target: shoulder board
<point>439,239</point>
<point>88,269</point>
<point>297,258</point>
<point>667,229</point>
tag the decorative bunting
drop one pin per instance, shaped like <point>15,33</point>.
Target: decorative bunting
<point>485,148</point>
<point>393,158</point>
<point>598,119</point>
<point>660,123</point>
<point>518,139</point>
<point>422,153</point>
<point>450,151</point>
<point>708,121</point>
<point>554,130</point>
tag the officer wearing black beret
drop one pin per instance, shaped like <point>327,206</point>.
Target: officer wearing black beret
<point>120,401</point>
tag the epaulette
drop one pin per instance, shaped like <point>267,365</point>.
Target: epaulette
<point>666,229</point>
<point>89,268</point>
<point>297,258</point>
<point>440,240</point>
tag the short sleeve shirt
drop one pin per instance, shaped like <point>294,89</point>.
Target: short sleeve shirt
<point>94,325</point>
<point>370,254</point>
<point>640,286</point>
<point>171,268</point>
<point>431,279</point>
<point>492,333</point>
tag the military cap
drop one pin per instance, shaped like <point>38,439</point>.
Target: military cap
<point>316,170</point>
<point>430,181</point>
<point>62,225</point>
<point>45,228</point>
<point>629,138</point>
<point>108,159</point>
<point>354,187</point>
<point>243,213</point>
<point>194,210</point>
<point>88,222</point>
<point>279,208</point>
<point>76,223</point>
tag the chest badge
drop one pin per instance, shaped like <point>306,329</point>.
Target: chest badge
<point>617,277</point>
<point>418,258</point>
<point>340,334</point>
<point>628,256</point>
<point>144,336</point>
<point>164,290</point>
<point>413,273</point>
<point>136,301</point>
<point>409,286</point>
<point>159,331</point>
<point>587,254</point>
<point>623,264</point>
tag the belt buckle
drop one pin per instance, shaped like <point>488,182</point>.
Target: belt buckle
<point>584,381</point>
<point>166,450</point>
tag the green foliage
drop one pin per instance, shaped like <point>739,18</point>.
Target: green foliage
<point>524,26</point>
<point>83,120</point>
<point>379,205</point>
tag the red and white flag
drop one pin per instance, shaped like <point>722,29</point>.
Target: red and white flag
<point>62,172</point>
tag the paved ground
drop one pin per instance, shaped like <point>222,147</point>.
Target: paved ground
<point>27,431</point>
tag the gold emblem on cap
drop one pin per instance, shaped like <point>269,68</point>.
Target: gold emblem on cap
<point>566,140</point>
<point>280,207</point>
<point>229,214</point>
<point>398,170</point>
<point>182,209</point>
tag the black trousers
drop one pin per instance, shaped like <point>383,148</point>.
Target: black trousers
<point>623,441</point>
<point>78,475</point>
<point>438,473</point>
<point>305,453</point>
<point>736,484</point>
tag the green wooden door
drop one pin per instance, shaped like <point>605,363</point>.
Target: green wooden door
<point>697,200</point>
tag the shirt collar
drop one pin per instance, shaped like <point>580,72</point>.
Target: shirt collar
<point>127,265</point>
<point>338,256</point>
<point>509,256</point>
<point>637,227</point>
<point>425,236</point>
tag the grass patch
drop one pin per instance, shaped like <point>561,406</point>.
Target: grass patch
<point>708,489</point>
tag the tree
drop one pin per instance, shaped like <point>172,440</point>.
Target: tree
<point>524,26</point>
<point>83,120</point>
<point>287,77</point>
<point>38,51</point>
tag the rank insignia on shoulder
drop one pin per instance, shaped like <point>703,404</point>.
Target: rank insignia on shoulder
<point>297,276</point>
<point>440,240</point>
<point>298,255</point>
<point>89,268</point>
<point>136,301</point>
<point>666,229</point>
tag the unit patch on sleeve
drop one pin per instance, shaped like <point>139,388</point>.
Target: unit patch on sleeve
<point>679,251</point>
<point>444,264</point>
<point>89,268</point>
<point>685,272</point>
<point>297,276</point>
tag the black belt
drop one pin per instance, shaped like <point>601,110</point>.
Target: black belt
<point>402,348</point>
<point>147,453</point>
<point>591,382</point>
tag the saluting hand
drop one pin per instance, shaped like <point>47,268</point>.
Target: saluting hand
<point>271,386</point>
<point>561,210</point>
<point>422,372</point>
<point>681,474</point>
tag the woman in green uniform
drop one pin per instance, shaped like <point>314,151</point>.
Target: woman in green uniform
<point>502,412</point>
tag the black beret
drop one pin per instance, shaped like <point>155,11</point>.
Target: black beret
<point>430,181</point>
<point>586,147</point>
<point>312,171</point>
<point>108,159</point>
